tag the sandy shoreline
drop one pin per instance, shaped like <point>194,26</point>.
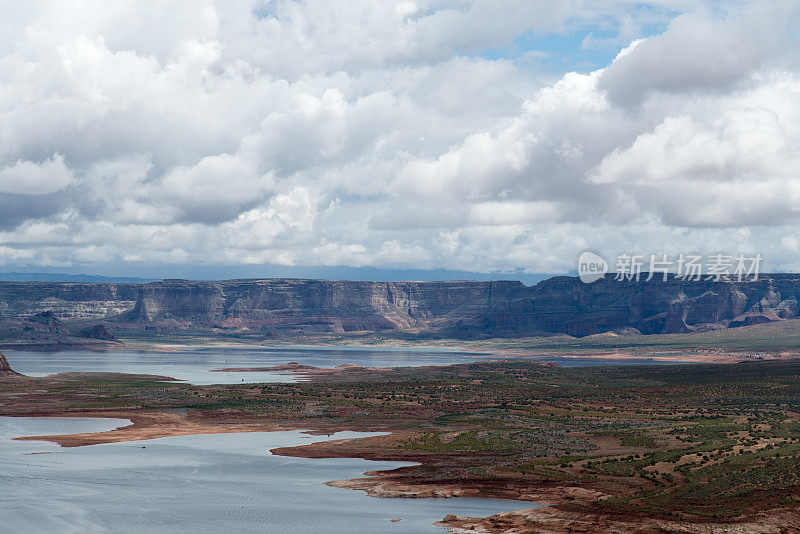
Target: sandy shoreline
<point>144,426</point>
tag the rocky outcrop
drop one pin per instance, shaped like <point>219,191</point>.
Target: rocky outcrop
<point>67,301</point>
<point>99,332</point>
<point>5,368</point>
<point>460,309</point>
<point>45,322</point>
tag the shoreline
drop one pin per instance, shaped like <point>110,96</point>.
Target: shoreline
<point>555,511</point>
<point>389,483</point>
<point>144,426</point>
<point>470,351</point>
<point>378,484</point>
<point>179,347</point>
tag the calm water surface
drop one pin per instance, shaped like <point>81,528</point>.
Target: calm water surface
<point>204,483</point>
<point>194,365</point>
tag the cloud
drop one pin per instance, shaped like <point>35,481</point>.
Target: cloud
<point>701,52</point>
<point>394,133</point>
<point>216,189</point>
<point>31,178</point>
<point>740,168</point>
<point>30,190</point>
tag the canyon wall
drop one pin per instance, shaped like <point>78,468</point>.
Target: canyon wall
<point>459,309</point>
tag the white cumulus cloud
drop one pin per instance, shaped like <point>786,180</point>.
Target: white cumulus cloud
<point>426,133</point>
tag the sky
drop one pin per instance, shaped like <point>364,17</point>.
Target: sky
<point>147,137</point>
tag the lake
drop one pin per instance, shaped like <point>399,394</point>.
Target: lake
<point>202,483</point>
<point>195,364</point>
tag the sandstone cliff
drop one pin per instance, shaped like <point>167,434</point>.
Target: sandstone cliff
<point>457,309</point>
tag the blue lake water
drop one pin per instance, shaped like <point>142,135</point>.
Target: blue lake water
<point>195,364</point>
<point>205,483</point>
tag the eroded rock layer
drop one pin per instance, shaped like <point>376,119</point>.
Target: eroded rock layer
<point>460,309</point>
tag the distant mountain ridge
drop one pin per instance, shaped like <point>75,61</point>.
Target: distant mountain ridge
<point>143,274</point>
<point>456,309</point>
<point>71,278</point>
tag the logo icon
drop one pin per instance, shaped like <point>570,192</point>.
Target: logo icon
<point>591,267</point>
